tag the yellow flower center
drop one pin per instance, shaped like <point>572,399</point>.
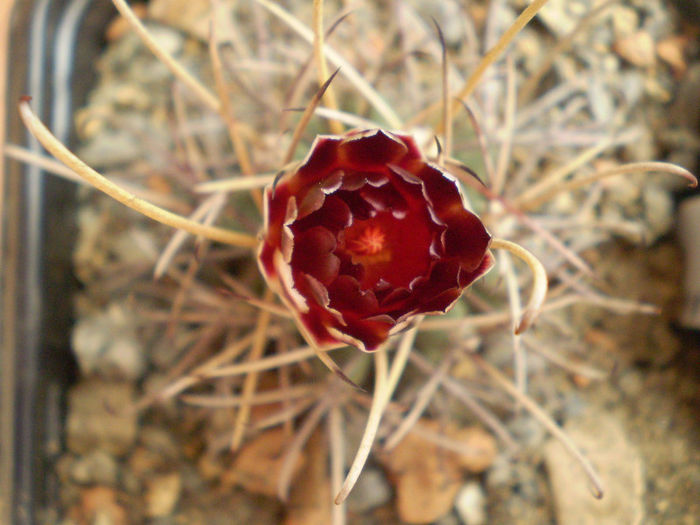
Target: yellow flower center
<point>370,242</point>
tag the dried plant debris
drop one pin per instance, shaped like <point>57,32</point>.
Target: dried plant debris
<point>428,476</point>
<point>550,148</point>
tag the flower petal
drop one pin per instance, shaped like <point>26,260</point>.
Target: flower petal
<point>312,201</point>
<point>346,296</point>
<point>372,333</point>
<point>467,277</point>
<point>334,215</point>
<point>466,238</point>
<point>441,190</point>
<point>439,290</point>
<point>371,149</point>
<point>313,254</point>
<point>385,198</point>
<point>360,208</point>
<point>319,163</point>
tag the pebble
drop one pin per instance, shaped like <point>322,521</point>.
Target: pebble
<point>162,494</point>
<point>638,49</point>
<point>112,147</point>
<point>631,86</point>
<point>625,21</point>
<point>106,344</point>
<point>448,16</point>
<point>601,101</point>
<point>97,468</point>
<point>372,491</point>
<point>100,506</point>
<point>527,431</point>
<point>658,208</point>
<point>471,504</point>
<point>99,417</point>
<point>619,464</point>
<point>561,16</point>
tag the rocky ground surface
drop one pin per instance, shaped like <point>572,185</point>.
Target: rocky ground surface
<point>628,386</point>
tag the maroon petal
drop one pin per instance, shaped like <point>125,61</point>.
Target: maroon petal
<point>346,296</point>
<point>334,215</point>
<point>321,161</point>
<point>385,198</point>
<point>466,238</point>
<point>437,291</point>
<point>467,277</point>
<point>412,153</point>
<point>311,287</point>
<point>313,254</point>
<point>359,207</point>
<point>395,301</point>
<point>312,201</point>
<point>319,325</point>
<point>371,149</point>
<point>370,333</point>
<point>441,191</point>
<point>441,303</point>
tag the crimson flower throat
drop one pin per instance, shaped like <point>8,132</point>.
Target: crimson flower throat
<point>366,234</point>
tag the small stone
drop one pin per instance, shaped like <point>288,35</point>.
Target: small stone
<point>106,343</point>
<point>619,465</point>
<point>100,417</point>
<point>501,472</point>
<point>658,210</point>
<point>169,39</point>
<point>601,101</point>
<point>110,147</point>
<point>527,431</point>
<point>561,16</point>
<point>471,504</point>
<point>631,85</point>
<point>448,16</point>
<point>162,494</point>
<point>372,491</point>
<point>625,21</point>
<point>97,468</point>
<point>99,506</point>
<point>638,49</point>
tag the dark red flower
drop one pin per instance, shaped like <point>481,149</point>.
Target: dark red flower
<point>364,235</point>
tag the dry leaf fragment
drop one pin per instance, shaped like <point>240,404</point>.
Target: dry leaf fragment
<point>638,49</point>
<point>310,498</point>
<point>672,51</point>
<point>428,476</point>
<point>257,465</point>
<point>98,505</point>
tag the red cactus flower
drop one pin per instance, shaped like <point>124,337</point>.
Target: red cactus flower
<point>366,234</point>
